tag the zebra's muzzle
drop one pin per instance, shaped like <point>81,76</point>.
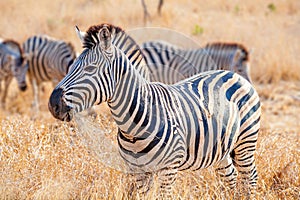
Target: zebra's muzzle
<point>58,108</point>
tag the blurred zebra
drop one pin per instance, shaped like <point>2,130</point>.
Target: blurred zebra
<point>12,64</point>
<point>49,59</point>
<point>170,64</point>
<point>212,118</point>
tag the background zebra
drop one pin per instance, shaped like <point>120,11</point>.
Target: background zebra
<point>169,64</point>
<point>12,64</point>
<point>49,59</point>
<point>210,119</point>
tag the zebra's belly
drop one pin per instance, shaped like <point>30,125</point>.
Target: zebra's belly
<point>205,149</point>
<point>168,151</point>
<point>45,74</point>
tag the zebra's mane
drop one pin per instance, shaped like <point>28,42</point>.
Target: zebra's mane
<point>220,45</point>
<point>91,37</point>
<point>120,39</point>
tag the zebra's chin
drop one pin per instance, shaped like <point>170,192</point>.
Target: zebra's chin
<point>67,117</point>
<point>62,113</point>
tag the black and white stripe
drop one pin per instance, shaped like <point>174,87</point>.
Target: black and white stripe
<point>170,64</point>
<point>211,119</point>
<point>12,64</point>
<point>49,59</point>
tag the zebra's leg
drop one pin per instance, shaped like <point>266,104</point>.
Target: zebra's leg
<point>227,172</point>
<point>243,156</point>
<point>1,94</point>
<point>166,177</point>
<point>7,81</point>
<point>35,90</point>
<point>143,183</point>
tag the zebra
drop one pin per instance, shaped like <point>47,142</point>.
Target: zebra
<point>49,59</point>
<point>170,64</point>
<point>210,119</point>
<point>12,64</point>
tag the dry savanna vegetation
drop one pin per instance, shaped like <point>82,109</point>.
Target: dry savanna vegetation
<point>42,158</point>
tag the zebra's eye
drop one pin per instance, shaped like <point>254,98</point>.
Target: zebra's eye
<point>90,68</point>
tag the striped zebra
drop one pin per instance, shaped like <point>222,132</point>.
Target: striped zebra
<point>49,59</point>
<point>12,64</point>
<point>211,119</point>
<point>170,64</point>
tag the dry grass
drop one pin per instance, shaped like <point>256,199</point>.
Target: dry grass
<point>41,158</point>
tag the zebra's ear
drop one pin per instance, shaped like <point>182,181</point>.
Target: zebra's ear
<point>105,38</point>
<point>80,34</point>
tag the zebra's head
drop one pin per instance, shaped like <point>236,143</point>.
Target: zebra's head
<point>241,64</point>
<point>90,80</point>
<point>16,61</point>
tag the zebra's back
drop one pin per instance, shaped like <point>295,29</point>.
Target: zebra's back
<point>170,64</point>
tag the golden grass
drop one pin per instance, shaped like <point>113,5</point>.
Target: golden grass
<point>42,158</point>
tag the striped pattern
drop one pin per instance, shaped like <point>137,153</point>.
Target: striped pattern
<point>211,119</point>
<point>12,64</point>
<point>49,59</point>
<point>170,64</point>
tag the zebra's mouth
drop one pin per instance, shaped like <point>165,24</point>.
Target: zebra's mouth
<point>58,108</point>
<point>67,117</point>
<point>63,113</point>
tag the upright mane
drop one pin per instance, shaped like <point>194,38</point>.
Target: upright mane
<point>92,34</point>
<point>121,40</point>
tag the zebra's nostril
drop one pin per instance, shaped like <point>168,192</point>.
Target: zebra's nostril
<point>56,109</point>
<point>23,88</point>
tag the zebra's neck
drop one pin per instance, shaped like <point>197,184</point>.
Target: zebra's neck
<point>132,90</point>
<point>131,49</point>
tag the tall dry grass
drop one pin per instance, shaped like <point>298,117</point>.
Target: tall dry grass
<point>41,158</point>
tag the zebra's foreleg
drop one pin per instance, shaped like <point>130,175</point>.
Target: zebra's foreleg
<point>143,183</point>
<point>7,81</point>
<point>166,178</point>
<point>227,172</point>
<point>35,90</point>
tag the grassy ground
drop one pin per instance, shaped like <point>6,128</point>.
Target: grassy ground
<point>41,158</point>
